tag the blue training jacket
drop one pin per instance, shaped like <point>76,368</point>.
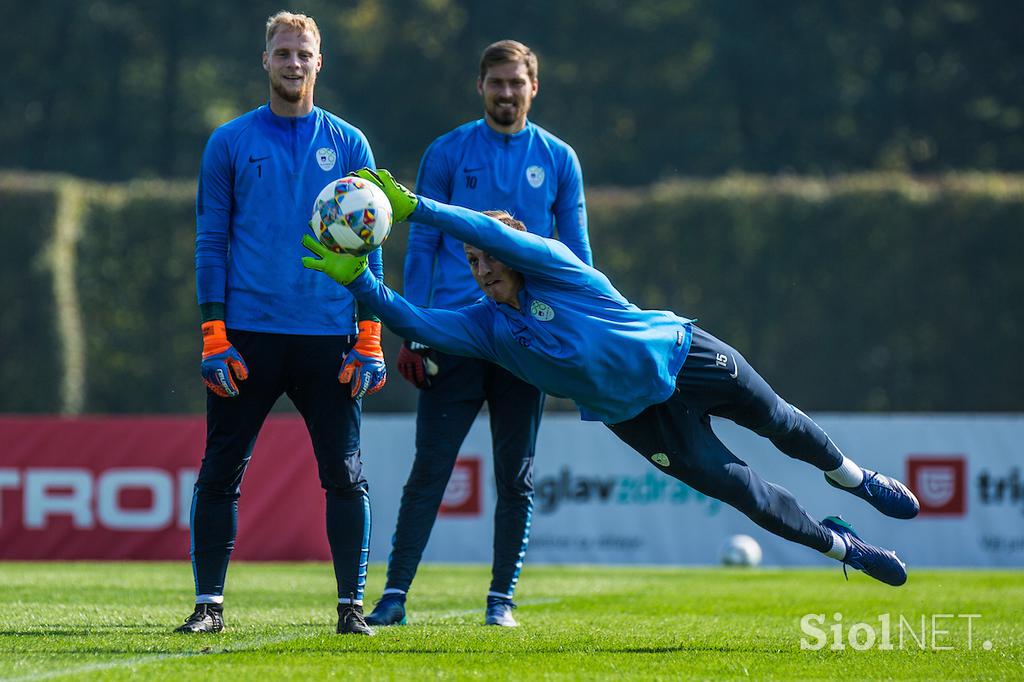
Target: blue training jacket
<point>574,335</point>
<point>532,175</point>
<point>259,178</point>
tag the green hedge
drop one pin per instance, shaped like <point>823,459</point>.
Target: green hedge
<point>137,284</point>
<point>31,363</point>
<point>866,292</point>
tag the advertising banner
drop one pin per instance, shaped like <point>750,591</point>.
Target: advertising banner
<point>598,501</point>
<point>121,488</point>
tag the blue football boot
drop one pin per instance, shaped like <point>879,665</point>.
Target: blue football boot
<point>390,610</point>
<point>880,564</point>
<point>499,612</point>
<point>885,494</point>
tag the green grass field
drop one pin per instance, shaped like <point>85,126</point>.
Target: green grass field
<point>114,621</point>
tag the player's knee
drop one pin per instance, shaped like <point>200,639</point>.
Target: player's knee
<point>757,507</point>
<point>779,420</point>
<point>429,473</point>
<point>423,498</point>
<point>217,489</point>
<point>348,491</point>
<point>517,488</point>
<point>343,477</point>
<point>736,485</point>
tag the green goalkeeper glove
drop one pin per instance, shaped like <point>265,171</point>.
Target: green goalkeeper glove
<point>343,268</point>
<point>403,202</point>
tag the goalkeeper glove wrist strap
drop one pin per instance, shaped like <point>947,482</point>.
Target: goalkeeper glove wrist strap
<point>215,338</point>
<point>368,342</point>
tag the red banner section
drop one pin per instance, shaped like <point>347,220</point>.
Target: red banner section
<point>121,488</point>
<point>464,490</point>
<point>940,483</point>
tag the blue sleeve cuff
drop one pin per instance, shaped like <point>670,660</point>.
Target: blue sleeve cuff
<point>422,211</point>
<point>364,283</point>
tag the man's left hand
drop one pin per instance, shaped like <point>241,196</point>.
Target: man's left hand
<point>343,268</point>
<point>364,366</point>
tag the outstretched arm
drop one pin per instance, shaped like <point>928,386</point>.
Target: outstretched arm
<point>522,251</point>
<point>459,332</point>
<point>452,331</point>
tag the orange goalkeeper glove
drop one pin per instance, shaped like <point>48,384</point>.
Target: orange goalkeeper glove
<point>221,360</point>
<point>364,365</point>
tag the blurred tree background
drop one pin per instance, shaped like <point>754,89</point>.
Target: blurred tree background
<point>646,89</point>
<point>835,187</point>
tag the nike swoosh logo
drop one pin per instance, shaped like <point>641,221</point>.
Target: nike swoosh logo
<point>736,371</point>
<point>472,170</point>
<point>254,159</point>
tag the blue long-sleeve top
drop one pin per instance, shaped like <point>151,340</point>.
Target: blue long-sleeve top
<point>260,176</point>
<point>573,336</point>
<point>532,175</point>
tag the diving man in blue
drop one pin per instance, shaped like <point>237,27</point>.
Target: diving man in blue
<point>652,377</point>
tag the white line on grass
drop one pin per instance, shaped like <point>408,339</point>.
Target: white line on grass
<point>244,645</point>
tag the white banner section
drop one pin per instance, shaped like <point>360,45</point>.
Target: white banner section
<point>598,501</point>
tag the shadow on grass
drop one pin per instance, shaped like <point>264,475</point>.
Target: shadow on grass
<point>588,648</point>
<point>149,629</point>
<point>364,647</point>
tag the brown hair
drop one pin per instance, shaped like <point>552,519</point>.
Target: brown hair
<point>506,218</point>
<point>509,51</point>
<point>300,23</point>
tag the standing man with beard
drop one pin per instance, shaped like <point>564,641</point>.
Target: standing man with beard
<point>259,178</point>
<point>500,161</point>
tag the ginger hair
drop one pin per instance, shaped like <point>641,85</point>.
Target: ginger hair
<point>289,21</point>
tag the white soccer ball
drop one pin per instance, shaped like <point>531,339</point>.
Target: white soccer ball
<point>741,550</point>
<point>351,215</point>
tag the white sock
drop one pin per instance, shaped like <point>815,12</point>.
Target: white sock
<point>499,595</point>
<point>392,590</point>
<point>209,598</point>
<point>346,600</point>
<point>848,475</point>
<point>838,549</point>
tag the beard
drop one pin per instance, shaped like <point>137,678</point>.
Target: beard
<point>505,116</point>
<point>280,87</point>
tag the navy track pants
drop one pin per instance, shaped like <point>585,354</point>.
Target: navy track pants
<point>445,413</point>
<point>306,369</point>
<point>676,436</point>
